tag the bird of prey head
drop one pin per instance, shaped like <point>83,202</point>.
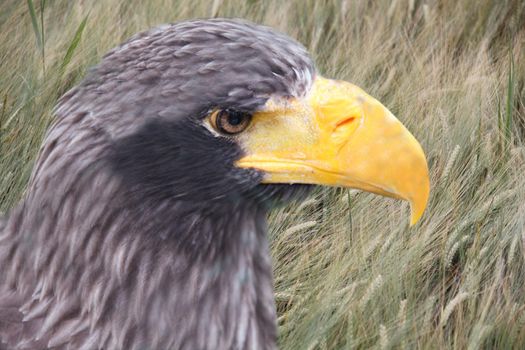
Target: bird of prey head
<point>143,226</point>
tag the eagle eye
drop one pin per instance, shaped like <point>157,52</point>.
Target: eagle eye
<point>230,122</point>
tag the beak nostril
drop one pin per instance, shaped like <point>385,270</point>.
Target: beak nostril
<point>345,121</point>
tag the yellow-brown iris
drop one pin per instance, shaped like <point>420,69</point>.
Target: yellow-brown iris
<point>229,122</point>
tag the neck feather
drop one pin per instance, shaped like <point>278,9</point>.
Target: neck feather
<point>170,275</point>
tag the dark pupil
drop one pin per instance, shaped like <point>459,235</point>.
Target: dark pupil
<point>234,119</point>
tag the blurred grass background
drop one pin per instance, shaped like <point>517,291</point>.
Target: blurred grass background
<point>349,271</point>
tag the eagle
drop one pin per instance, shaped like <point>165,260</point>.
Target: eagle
<point>143,225</point>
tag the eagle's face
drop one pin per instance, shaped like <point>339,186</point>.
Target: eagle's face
<point>143,225</point>
<point>227,110</point>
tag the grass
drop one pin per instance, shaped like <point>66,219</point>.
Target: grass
<point>349,271</point>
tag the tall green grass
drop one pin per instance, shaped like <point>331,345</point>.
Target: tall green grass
<point>349,272</point>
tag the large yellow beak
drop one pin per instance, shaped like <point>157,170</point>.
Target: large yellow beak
<point>340,136</point>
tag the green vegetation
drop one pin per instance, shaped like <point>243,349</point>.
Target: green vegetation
<point>349,271</point>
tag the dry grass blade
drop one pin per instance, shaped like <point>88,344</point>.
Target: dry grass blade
<point>73,45</point>
<point>34,22</point>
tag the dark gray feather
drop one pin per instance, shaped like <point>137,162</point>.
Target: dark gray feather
<point>90,260</point>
